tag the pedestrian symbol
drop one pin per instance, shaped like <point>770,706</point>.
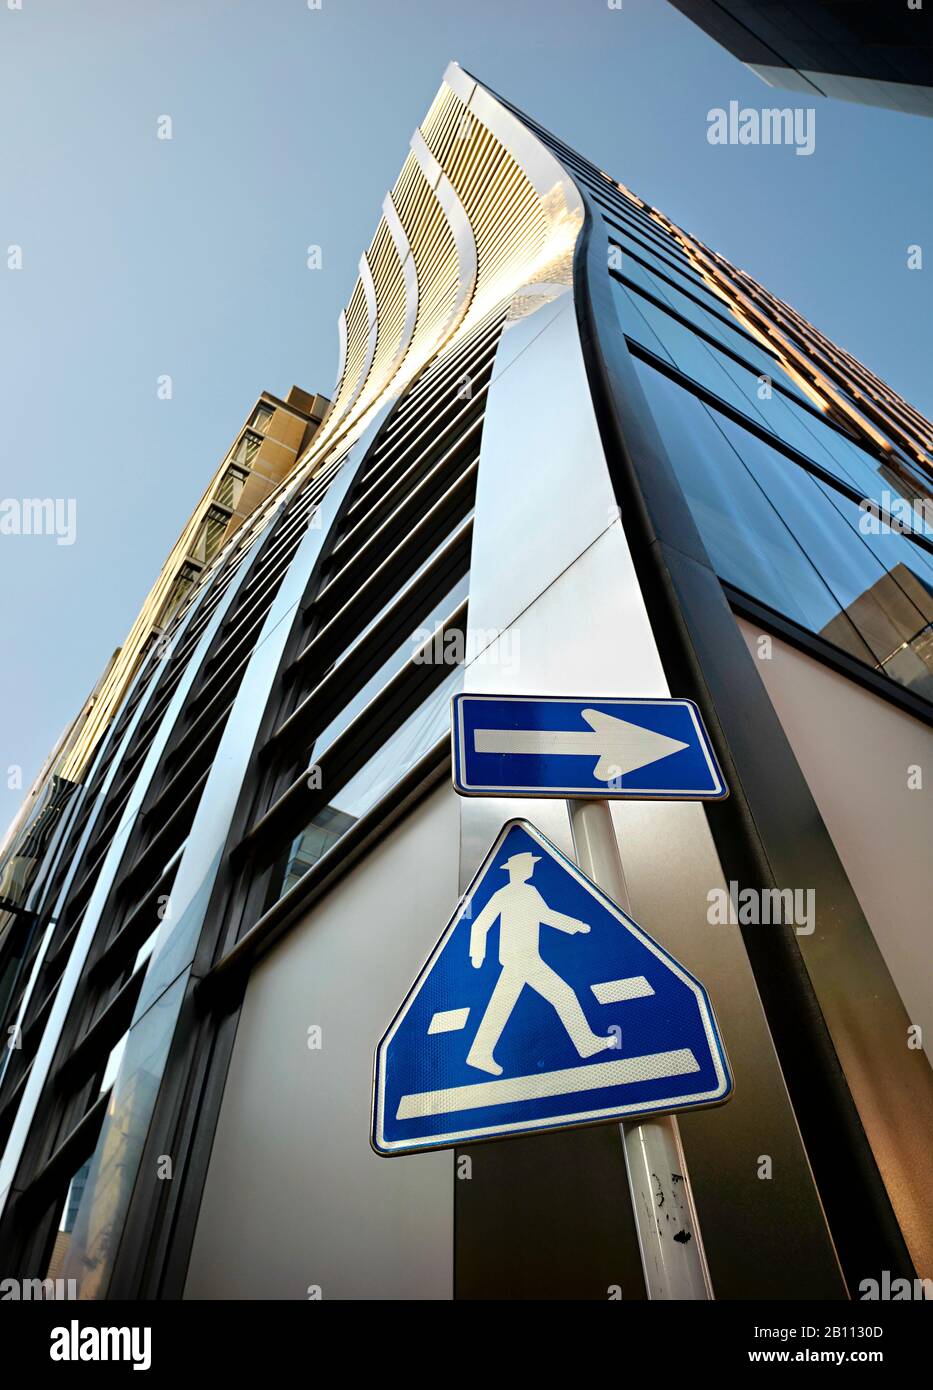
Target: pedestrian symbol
<point>521,910</point>
<point>543,1005</point>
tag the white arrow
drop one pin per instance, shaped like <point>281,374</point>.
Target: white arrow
<point>620,747</point>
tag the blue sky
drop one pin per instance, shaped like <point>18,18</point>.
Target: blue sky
<point>187,257</point>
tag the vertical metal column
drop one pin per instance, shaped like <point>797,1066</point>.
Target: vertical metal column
<point>672,1254</point>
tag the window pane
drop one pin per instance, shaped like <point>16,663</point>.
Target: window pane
<point>400,752</point>
<point>406,588</point>
<point>67,1221</point>
<point>635,325</point>
<point>393,664</point>
<point>230,487</point>
<point>747,541</point>
<point>247,449</point>
<point>759,359</point>
<point>672,264</point>
<point>647,231</point>
<point>796,425</point>
<point>883,614</point>
<point>699,361</point>
<point>795,543</point>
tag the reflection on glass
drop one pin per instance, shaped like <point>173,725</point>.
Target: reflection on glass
<point>114,1167</point>
<point>646,233</point>
<point>113,1064</point>
<point>420,731</point>
<point>703,364</point>
<point>402,654</point>
<point>247,449</point>
<point>747,542</point>
<point>755,354</point>
<point>409,585</point>
<point>795,543</point>
<point>67,1221</point>
<point>666,260</point>
<point>911,661</point>
<point>230,487</point>
<point>791,420</point>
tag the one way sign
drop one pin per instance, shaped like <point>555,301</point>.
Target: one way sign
<point>552,745</point>
<point>542,1006</point>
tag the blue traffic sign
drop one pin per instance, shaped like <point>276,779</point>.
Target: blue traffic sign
<point>542,1006</point>
<point>525,745</point>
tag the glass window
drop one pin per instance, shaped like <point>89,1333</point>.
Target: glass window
<point>649,231</point>
<point>113,1064</point>
<point>633,253</point>
<point>795,424</point>
<point>912,663</point>
<point>407,588</point>
<point>392,665</point>
<point>748,544</point>
<point>210,536</point>
<point>702,363</point>
<point>67,1221</point>
<point>634,324</point>
<point>398,755</point>
<point>796,544</point>
<point>182,585</point>
<point>759,359</point>
<point>891,549</point>
<point>262,417</point>
<point>230,487</point>
<point>247,449</point>
<point>860,583</point>
<point>669,258</point>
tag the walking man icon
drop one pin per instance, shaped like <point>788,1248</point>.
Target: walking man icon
<point>522,911</point>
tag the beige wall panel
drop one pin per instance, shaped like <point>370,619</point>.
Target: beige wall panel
<point>855,750</point>
<point>295,1196</point>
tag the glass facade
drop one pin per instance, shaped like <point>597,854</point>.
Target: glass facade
<point>775,487</point>
<point>398,755</point>
<point>406,651</point>
<point>375,676</point>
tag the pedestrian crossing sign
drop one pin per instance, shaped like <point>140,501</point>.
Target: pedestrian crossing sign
<point>542,1006</point>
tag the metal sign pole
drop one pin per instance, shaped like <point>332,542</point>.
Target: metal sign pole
<point>669,1239</point>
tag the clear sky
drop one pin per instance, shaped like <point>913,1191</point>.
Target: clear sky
<point>187,257</point>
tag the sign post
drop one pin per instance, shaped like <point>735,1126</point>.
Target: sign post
<point>672,1255</point>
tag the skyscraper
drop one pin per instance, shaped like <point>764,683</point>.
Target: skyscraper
<point>854,50</point>
<point>571,450</point>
